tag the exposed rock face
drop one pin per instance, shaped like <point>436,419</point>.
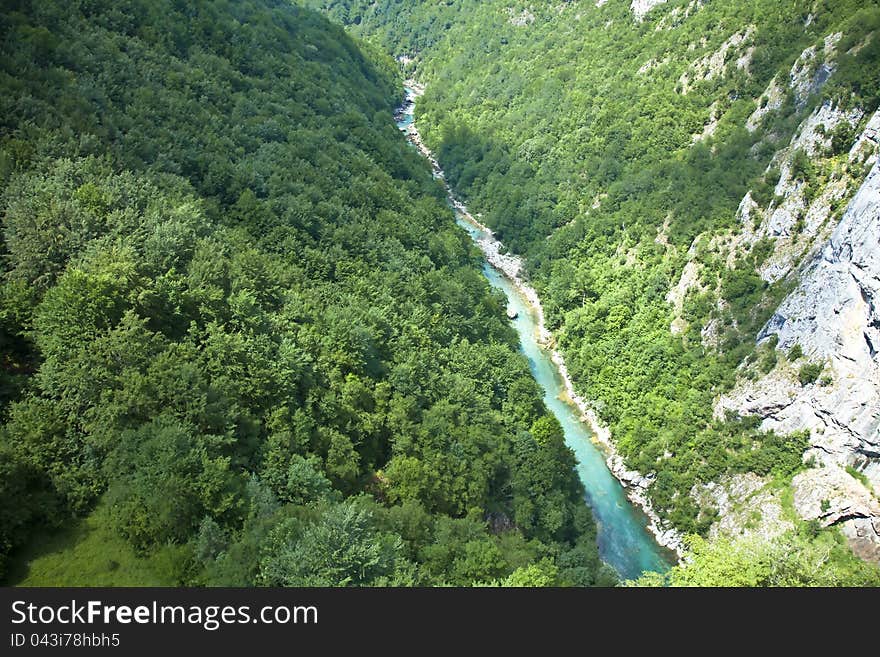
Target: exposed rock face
<point>834,315</point>
<point>641,7</point>
<point>806,76</point>
<point>678,15</point>
<point>713,65</point>
<point>711,125</point>
<point>747,507</point>
<point>771,100</point>
<point>814,134</point>
<point>690,278</point>
<point>803,80</point>
<point>799,220</point>
<point>652,64</point>
<point>831,496</point>
<point>525,17</point>
<point>800,225</point>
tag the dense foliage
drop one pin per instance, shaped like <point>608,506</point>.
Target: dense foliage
<point>580,135</point>
<point>241,334</point>
<point>792,559</point>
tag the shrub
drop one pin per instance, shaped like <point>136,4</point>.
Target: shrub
<point>809,373</point>
<point>801,166</point>
<point>768,362</point>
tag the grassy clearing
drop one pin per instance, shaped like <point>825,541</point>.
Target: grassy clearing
<point>88,553</point>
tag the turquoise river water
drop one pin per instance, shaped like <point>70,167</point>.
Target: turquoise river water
<point>624,539</point>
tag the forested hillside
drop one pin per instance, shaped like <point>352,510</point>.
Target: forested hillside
<point>243,341</point>
<point>665,167</point>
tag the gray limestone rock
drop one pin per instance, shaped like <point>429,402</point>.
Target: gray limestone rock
<point>834,315</point>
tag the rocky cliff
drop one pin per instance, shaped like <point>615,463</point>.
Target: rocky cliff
<point>830,322</point>
<point>821,229</point>
<point>640,7</point>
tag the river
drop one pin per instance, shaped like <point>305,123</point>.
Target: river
<point>624,539</point>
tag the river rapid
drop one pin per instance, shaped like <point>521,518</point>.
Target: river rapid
<point>628,538</point>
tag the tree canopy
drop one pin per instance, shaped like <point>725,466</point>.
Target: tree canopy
<point>240,329</point>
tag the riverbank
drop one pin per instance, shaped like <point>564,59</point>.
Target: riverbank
<point>511,266</point>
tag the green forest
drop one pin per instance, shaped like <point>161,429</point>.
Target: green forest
<point>574,130</point>
<point>243,341</point>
